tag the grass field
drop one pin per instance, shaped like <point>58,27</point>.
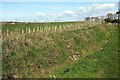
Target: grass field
<point>60,50</point>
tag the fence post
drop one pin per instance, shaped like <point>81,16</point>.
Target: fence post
<point>22,31</point>
<point>37,29</point>
<point>41,30</point>
<point>11,32</point>
<point>60,27</point>
<point>33,29</point>
<point>48,28</point>
<point>55,28</point>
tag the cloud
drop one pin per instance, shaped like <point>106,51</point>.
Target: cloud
<point>97,9</point>
<point>69,13</point>
<point>104,6</point>
<point>83,11</point>
<point>41,14</point>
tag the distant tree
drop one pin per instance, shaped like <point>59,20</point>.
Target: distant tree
<point>110,16</point>
<point>118,14</point>
<point>114,16</point>
<point>102,18</point>
<point>87,18</point>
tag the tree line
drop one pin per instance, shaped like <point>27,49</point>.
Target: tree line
<point>110,17</point>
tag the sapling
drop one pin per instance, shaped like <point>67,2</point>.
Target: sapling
<point>33,30</point>
<point>22,31</point>
<point>37,29</point>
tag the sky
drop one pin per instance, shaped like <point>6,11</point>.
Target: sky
<point>59,0</point>
<point>54,11</point>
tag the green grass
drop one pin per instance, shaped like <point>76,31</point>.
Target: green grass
<point>43,54</point>
<point>101,64</point>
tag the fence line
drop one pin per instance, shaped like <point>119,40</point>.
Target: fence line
<point>53,28</point>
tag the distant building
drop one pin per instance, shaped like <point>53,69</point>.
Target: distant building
<point>118,13</point>
<point>118,10</point>
<point>95,19</point>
